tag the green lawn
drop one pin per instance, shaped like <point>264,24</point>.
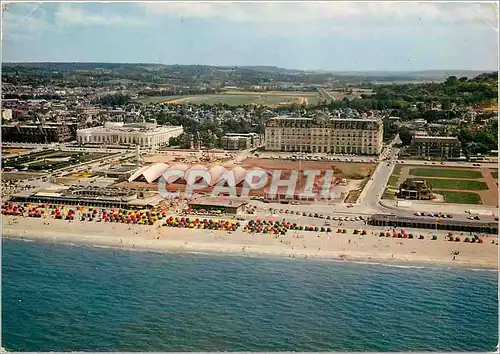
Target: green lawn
<point>445,173</point>
<point>388,194</point>
<point>460,197</point>
<point>457,184</point>
<point>494,173</point>
<point>393,181</point>
<point>397,170</point>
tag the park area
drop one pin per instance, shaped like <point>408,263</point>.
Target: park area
<point>455,184</point>
<point>237,98</point>
<point>49,160</point>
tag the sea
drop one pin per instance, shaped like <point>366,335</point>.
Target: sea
<point>60,297</point>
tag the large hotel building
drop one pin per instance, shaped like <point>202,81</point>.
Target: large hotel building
<point>324,135</point>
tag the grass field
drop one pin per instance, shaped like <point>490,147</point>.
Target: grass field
<point>445,173</point>
<point>388,194</point>
<point>157,99</point>
<point>457,184</point>
<point>393,181</point>
<point>494,173</point>
<point>235,98</point>
<point>460,197</point>
<point>397,170</point>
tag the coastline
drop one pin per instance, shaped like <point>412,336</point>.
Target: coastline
<point>295,244</point>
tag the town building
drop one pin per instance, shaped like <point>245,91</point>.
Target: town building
<point>39,133</point>
<point>435,224</point>
<point>235,207</point>
<point>90,196</point>
<point>120,172</point>
<point>424,146</point>
<point>142,134</point>
<point>234,141</point>
<point>323,134</point>
<point>413,188</point>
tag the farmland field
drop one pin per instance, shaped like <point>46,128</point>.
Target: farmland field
<point>235,98</point>
<point>457,184</point>
<point>445,173</point>
<point>460,197</point>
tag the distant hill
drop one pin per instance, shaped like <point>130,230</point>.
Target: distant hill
<point>415,75</point>
<point>237,75</point>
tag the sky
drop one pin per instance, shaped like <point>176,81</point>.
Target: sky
<point>333,36</point>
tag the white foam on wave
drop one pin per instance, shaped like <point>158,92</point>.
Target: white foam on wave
<point>482,270</point>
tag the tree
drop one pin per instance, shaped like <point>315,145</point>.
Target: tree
<point>405,135</point>
<point>114,100</point>
<point>446,104</point>
<point>451,81</point>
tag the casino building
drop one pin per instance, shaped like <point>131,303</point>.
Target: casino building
<point>143,134</point>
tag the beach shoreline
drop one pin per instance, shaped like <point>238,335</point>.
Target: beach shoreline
<point>295,244</point>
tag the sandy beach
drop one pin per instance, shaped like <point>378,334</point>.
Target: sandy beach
<point>295,244</point>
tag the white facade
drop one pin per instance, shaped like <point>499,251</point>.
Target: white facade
<point>144,135</point>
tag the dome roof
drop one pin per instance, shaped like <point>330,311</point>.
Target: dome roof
<point>179,167</point>
<point>216,173</point>
<point>150,172</point>
<point>138,173</point>
<point>155,171</point>
<point>195,169</point>
<point>239,174</point>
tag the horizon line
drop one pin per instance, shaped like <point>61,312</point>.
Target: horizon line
<point>251,66</point>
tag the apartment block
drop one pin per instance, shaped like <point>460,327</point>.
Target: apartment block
<point>37,133</point>
<point>234,141</point>
<point>435,146</point>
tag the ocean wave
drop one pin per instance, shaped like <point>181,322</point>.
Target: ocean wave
<point>211,302</point>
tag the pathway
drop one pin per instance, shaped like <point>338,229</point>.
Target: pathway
<point>489,197</point>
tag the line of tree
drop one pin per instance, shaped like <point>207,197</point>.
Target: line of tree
<point>479,141</point>
<point>113,100</point>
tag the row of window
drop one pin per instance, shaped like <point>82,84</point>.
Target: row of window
<point>325,149</point>
<point>275,146</point>
<point>326,126</point>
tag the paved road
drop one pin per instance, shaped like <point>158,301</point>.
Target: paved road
<point>371,194</point>
<point>449,164</point>
<point>325,94</point>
